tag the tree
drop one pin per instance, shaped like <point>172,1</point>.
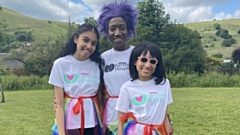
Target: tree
<point>91,20</point>
<point>217,26</point>
<point>180,46</point>
<point>1,88</point>
<point>238,31</point>
<point>236,55</point>
<point>39,57</point>
<point>217,55</point>
<point>182,49</point>
<point>223,34</point>
<point>23,35</point>
<point>151,21</point>
<point>226,43</point>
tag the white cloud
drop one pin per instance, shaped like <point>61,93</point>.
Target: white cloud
<point>48,10</point>
<point>236,14</point>
<point>200,14</point>
<point>179,10</point>
<point>187,3</point>
<point>222,15</point>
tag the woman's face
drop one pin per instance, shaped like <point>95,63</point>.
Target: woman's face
<point>146,66</point>
<point>86,45</point>
<point>117,33</point>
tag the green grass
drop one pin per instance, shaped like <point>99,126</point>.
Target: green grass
<point>194,111</point>
<point>206,111</point>
<point>27,113</point>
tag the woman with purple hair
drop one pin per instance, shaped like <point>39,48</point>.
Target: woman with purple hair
<point>117,22</point>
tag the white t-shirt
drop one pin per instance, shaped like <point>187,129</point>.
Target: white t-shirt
<point>77,78</point>
<point>146,100</point>
<point>116,72</point>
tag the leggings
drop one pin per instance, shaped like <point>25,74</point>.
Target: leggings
<point>87,131</point>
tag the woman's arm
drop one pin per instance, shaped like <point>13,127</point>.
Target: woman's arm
<point>59,96</point>
<point>120,123</point>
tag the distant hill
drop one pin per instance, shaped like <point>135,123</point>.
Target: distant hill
<point>207,31</point>
<point>43,29</point>
<point>40,29</point>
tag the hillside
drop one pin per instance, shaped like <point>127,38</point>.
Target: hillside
<point>207,31</point>
<point>40,29</point>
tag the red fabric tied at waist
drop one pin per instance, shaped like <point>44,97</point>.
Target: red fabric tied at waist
<point>79,108</point>
<point>147,127</point>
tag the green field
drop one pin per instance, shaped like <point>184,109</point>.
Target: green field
<point>195,111</point>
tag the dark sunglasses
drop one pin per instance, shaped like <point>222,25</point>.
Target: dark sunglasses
<point>152,60</point>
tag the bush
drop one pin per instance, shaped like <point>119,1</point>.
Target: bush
<point>13,82</point>
<point>218,55</point>
<point>226,43</point>
<point>209,79</point>
<point>217,26</point>
<point>232,40</point>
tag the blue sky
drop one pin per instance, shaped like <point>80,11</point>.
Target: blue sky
<point>229,6</point>
<point>183,11</point>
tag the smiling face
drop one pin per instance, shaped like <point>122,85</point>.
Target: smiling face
<point>146,66</point>
<point>117,33</point>
<point>86,44</point>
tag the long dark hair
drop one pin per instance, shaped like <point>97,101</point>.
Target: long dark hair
<point>143,48</point>
<point>71,46</point>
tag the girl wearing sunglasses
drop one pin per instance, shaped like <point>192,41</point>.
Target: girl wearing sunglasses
<point>143,100</point>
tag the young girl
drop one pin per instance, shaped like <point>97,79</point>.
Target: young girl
<point>143,100</point>
<point>76,78</point>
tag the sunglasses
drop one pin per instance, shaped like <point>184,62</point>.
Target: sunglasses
<point>152,60</point>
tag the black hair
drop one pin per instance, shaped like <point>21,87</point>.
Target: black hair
<point>71,46</point>
<point>143,48</point>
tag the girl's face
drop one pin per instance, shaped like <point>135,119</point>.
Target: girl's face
<point>86,45</point>
<point>146,66</point>
<point>117,33</point>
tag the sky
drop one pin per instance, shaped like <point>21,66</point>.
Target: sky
<point>183,11</point>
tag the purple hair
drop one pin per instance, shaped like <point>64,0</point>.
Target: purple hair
<point>124,10</point>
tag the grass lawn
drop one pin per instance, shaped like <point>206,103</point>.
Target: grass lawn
<point>195,111</point>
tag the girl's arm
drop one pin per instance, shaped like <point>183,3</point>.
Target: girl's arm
<point>59,95</point>
<point>120,123</point>
<point>167,124</point>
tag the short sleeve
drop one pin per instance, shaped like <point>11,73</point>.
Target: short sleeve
<point>55,76</point>
<point>123,104</point>
<point>170,99</point>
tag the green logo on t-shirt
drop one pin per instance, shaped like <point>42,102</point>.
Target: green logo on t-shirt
<point>139,100</point>
<point>70,78</point>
